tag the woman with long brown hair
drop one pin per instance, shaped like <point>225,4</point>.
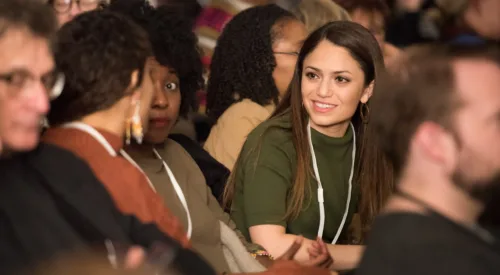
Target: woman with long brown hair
<point>314,163</point>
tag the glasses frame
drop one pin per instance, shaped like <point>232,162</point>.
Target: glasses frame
<point>100,3</point>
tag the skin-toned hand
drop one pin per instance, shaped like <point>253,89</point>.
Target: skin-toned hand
<point>318,253</point>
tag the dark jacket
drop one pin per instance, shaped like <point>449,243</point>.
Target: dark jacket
<point>50,203</point>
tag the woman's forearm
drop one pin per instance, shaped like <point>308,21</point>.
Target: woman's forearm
<point>345,257</point>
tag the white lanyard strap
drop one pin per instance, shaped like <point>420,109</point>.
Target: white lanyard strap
<point>321,199</point>
<point>100,138</point>
<point>178,191</point>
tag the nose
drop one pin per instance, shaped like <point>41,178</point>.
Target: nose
<point>39,99</point>
<point>325,89</point>
<point>160,99</point>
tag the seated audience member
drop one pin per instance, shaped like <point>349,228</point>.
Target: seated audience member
<point>316,13</point>
<point>50,202</point>
<point>313,164</point>
<point>473,22</point>
<point>441,133</point>
<point>66,10</point>
<point>372,14</point>
<point>182,54</point>
<point>107,95</point>
<point>252,67</point>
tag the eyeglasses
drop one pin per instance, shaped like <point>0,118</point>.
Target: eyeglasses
<point>64,6</point>
<point>21,82</point>
<point>288,53</point>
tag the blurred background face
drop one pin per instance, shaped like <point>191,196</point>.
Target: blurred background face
<point>164,109</point>
<point>286,50</point>
<point>373,21</point>
<point>26,79</point>
<point>66,10</point>
<point>478,163</point>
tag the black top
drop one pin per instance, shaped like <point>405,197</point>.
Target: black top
<point>410,243</point>
<point>50,203</point>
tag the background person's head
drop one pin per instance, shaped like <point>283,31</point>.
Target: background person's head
<point>443,122</point>
<point>103,56</point>
<point>371,14</point>
<point>27,71</point>
<point>66,10</point>
<point>316,13</point>
<point>178,71</point>
<point>254,58</point>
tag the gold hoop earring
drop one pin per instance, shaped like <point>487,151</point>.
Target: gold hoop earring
<point>364,112</point>
<point>133,127</point>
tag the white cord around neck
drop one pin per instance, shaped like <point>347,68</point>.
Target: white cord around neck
<point>321,199</point>
<point>100,138</point>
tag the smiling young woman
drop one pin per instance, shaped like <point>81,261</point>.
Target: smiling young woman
<point>314,161</point>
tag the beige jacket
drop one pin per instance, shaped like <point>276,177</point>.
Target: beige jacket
<point>206,213</point>
<point>230,133</point>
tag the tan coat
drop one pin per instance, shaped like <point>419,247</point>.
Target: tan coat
<point>230,133</point>
<point>205,210</point>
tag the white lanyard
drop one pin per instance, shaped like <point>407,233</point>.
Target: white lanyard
<point>99,138</point>
<point>321,199</point>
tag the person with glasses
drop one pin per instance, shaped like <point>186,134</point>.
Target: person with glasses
<point>28,79</point>
<point>51,203</point>
<point>251,68</point>
<point>66,10</point>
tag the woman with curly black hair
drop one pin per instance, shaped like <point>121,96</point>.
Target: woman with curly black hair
<point>251,69</point>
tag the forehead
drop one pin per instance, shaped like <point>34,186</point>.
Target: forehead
<point>292,33</point>
<point>21,50</point>
<point>330,57</point>
<point>478,84</point>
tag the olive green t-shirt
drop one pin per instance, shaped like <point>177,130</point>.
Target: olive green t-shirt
<point>264,177</point>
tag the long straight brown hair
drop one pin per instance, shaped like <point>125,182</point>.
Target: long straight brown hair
<point>374,175</point>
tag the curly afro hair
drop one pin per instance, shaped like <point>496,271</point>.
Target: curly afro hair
<point>174,45</point>
<point>243,61</point>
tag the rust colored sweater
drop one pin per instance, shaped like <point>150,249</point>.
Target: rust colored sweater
<point>127,185</point>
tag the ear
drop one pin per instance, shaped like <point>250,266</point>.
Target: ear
<point>438,145</point>
<point>134,79</point>
<point>367,92</point>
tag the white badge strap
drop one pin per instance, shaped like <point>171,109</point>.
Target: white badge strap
<point>129,159</point>
<point>178,191</point>
<point>320,187</point>
<point>94,133</point>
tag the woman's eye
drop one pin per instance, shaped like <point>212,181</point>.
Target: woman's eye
<point>312,75</point>
<point>341,79</point>
<point>170,86</point>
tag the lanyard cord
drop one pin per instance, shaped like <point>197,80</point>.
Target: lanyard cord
<point>321,199</point>
<point>99,138</point>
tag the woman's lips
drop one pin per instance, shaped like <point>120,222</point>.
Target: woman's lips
<point>159,122</point>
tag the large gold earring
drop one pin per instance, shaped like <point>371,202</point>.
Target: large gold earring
<point>133,127</point>
<point>364,112</point>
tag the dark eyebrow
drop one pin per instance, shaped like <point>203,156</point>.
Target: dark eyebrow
<point>313,68</point>
<point>341,72</point>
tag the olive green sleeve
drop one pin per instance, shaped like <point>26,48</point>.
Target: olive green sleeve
<point>266,179</point>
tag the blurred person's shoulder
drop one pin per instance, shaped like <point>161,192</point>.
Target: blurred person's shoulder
<point>411,243</point>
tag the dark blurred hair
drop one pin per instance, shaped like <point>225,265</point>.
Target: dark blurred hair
<point>97,51</point>
<point>243,61</point>
<point>36,17</point>
<point>366,5</point>
<point>174,45</point>
<point>373,174</point>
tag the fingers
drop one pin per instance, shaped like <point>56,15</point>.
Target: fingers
<point>293,249</point>
<point>135,257</point>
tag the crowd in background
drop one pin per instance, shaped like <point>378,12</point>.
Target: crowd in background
<point>249,137</point>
